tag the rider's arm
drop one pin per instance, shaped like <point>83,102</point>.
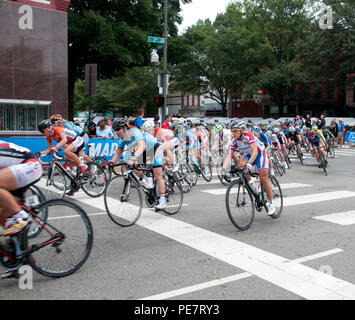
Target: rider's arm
<point>141,147</point>
<point>254,154</point>
<point>117,155</point>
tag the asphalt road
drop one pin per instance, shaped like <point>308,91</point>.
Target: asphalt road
<point>308,253</point>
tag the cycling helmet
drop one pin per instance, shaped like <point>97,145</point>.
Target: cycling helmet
<point>44,124</point>
<point>256,129</point>
<point>276,130</point>
<point>292,129</point>
<point>218,128</point>
<point>311,133</point>
<point>315,128</point>
<point>238,125</point>
<point>269,133</point>
<point>55,117</point>
<point>148,125</point>
<point>118,123</point>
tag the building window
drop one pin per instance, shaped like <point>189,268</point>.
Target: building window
<point>22,117</point>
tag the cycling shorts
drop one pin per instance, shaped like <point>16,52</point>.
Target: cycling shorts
<point>261,161</point>
<point>78,144</point>
<point>154,156</point>
<point>27,173</point>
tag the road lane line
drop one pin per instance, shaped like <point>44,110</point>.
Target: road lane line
<point>292,276</point>
<point>283,187</point>
<point>218,282</point>
<point>342,218</point>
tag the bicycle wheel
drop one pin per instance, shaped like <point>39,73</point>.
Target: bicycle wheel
<point>194,175</point>
<point>240,205</point>
<point>105,166</point>
<point>185,177</point>
<point>173,194</point>
<point>55,184</point>
<point>33,195</point>
<point>66,241</point>
<point>322,162</point>
<point>277,196</point>
<point>299,155</point>
<point>207,172</point>
<point>96,180</point>
<point>226,179</point>
<point>123,201</point>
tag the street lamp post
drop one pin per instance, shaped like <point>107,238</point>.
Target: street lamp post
<point>165,63</point>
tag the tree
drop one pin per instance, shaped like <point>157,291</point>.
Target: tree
<point>219,57</point>
<point>284,25</point>
<point>329,54</point>
<point>113,34</point>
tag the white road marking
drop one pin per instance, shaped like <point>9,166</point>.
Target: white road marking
<point>317,197</point>
<point>292,276</point>
<point>283,187</point>
<point>218,282</point>
<point>342,218</point>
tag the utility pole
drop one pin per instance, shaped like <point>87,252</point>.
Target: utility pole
<point>165,110</point>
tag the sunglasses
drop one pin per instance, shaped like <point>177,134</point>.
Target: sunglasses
<point>235,130</point>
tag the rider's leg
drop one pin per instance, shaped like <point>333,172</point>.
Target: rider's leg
<point>9,205</point>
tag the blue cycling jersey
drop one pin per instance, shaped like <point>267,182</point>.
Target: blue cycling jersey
<point>73,127</point>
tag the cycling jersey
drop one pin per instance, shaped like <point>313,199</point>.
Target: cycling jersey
<point>281,137</point>
<point>130,139</point>
<point>79,131</point>
<point>162,134</point>
<point>294,137</point>
<point>153,152</point>
<point>327,134</point>
<point>243,144</point>
<point>315,141</point>
<point>58,132</point>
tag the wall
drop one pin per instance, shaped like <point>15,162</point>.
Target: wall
<point>34,61</point>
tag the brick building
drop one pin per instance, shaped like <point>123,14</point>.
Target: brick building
<point>33,63</point>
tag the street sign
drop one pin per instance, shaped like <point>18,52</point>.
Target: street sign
<point>155,39</point>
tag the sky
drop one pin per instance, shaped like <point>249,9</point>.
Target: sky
<point>201,9</point>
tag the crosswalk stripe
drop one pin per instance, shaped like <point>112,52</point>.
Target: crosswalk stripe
<point>292,276</point>
<point>317,197</point>
<point>342,218</point>
<point>283,187</point>
<point>218,282</point>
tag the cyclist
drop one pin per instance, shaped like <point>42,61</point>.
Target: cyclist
<point>315,142</point>
<point>73,144</point>
<point>295,140</point>
<point>165,137</point>
<point>328,136</point>
<point>283,141</point>
<point>58,121</point>
<point>133,138</point>
<point>18,169</point>
<point>252,152</point>
<point>267,143</point>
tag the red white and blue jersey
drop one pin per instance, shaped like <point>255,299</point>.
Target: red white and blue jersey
<point>243,145</point>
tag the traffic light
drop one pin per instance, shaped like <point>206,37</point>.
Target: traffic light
<point>159,101</point>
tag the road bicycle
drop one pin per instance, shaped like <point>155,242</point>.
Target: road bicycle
<point>123,195</point>
<point>322,161</point>
<point>59,180</point>
<point>56,242</point>
<point>330,149</point>
<point>183,174</point>
<point>241,200</point>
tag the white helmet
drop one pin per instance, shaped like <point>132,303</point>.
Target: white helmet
<point>276,130</point>
<point>148,125</point>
